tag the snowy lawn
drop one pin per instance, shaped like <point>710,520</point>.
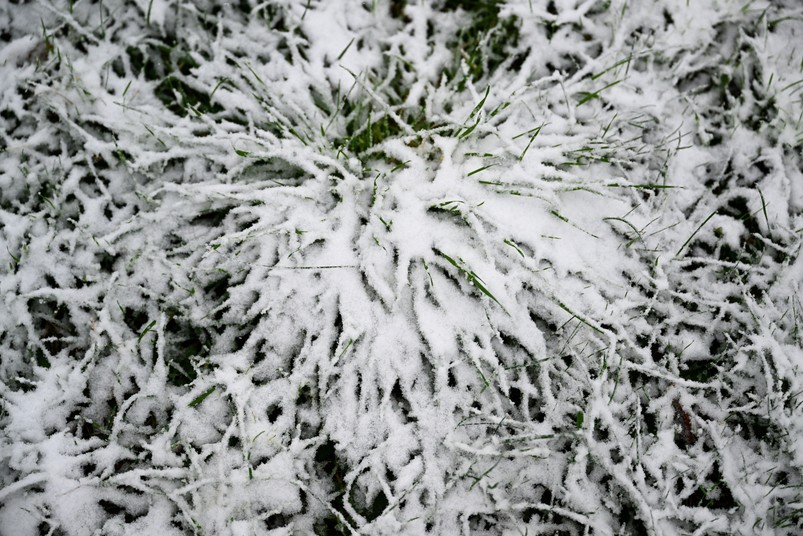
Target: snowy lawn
<point>408,267</point>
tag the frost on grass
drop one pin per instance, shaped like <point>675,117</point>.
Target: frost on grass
<point>401,267</point>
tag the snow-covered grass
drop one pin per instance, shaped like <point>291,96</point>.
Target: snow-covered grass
<point>401,267</point>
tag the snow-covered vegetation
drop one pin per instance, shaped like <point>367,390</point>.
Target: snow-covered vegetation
<point>401,267</point>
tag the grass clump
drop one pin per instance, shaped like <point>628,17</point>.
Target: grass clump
<point>242,244</point>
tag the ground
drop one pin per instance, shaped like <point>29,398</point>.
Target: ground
<point>401,267</point>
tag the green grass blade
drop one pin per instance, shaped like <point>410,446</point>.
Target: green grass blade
<point>200,398</point>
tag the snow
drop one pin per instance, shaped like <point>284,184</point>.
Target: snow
<point>400,267</point>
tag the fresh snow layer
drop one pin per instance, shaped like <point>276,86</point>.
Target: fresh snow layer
<point>401,267</point>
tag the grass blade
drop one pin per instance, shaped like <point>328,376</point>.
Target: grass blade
<point>200,398</point>
<point>473,278</point>
<point>695,233</point>
<point>146,330</point>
